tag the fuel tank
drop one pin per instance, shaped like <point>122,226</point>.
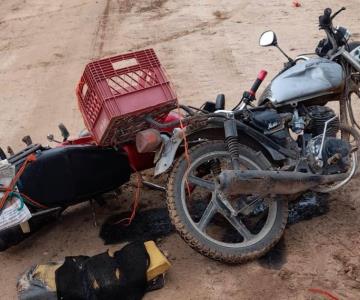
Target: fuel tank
<point>306,80</point>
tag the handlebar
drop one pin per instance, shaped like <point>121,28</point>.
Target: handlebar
<point>325,21</point>
<point>339,11</point>
<point>249,96</point>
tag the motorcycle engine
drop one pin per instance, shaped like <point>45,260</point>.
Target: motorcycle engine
<point>335,153</point>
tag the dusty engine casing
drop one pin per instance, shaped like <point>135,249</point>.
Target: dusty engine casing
<point>335,152</point>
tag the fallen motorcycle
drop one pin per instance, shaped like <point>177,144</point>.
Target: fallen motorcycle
<point>231,172</point>
<point>40,182</point>
<point>228,193</point>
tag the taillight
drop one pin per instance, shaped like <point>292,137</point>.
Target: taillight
<point>148,140</point>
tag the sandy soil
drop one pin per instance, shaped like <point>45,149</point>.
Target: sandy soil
<point>207,47</point>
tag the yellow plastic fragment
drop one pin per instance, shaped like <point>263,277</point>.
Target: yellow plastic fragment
<point>159,264</point>
<point>46,274</point>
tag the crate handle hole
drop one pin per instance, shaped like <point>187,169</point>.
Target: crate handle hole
<point>84,90</point>
<point>124,63</point>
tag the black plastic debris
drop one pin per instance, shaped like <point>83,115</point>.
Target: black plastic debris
<point>104,277</point>
<point>155,223</point>
<point>147,225</point>
<point>309,205</point>
<point>126,274</point>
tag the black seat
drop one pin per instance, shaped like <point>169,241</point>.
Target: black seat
<point>68,175</point>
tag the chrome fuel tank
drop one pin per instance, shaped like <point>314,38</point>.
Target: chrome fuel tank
<point>306,80</point>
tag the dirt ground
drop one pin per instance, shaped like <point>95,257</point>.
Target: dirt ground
<point>207,47</point>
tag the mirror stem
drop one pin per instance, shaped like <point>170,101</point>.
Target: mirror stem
<point>288,57</point>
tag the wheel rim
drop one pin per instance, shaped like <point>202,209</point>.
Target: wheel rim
<point>216,205</point>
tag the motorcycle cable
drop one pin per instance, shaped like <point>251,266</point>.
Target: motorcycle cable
<point>199,109</point>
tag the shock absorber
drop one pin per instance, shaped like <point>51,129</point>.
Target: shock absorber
<point>232,144</point>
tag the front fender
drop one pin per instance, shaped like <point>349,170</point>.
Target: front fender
<point>168,151</point>
<point>192,133</point>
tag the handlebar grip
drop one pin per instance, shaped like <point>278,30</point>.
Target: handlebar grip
<point>327,12</point>
<point>325,19</point>
<point>257,83</point>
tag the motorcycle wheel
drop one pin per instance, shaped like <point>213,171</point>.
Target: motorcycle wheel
<point>205,223</point>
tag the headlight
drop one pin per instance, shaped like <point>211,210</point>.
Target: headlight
<point>342,34</point>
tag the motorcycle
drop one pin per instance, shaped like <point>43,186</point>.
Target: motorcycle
<point>233,172</point>
<point>76,170</point>
<point>38,183</point>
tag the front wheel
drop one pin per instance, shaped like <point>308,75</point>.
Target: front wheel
<point>228,229</point>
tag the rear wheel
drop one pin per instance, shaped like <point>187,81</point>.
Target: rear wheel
<point>229,229</point>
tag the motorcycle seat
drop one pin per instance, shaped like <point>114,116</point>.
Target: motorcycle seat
<point>67,175</point>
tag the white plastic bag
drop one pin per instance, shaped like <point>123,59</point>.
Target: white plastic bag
<point>15,211</point>
<point>13,214</point>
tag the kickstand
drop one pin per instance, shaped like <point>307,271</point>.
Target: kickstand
<point>153,186</point>
<point>93,212</point>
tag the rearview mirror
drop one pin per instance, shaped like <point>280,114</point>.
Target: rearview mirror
<point>64,132</point>
<point>268,38</point>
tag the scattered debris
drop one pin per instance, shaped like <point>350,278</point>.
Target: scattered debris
<point>296,3</point>
<point>309,206</point>
<point>155,223</point>
<point>147,225</point>
<point>220,15</point>
<point>124,274</point>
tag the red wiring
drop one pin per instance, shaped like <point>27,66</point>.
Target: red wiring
<point>324,293</point>
<point>33,202</point>
<point>135,202</point>
<point>139,178</point>
<point>13,182</point>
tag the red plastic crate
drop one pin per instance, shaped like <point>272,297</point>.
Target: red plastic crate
<point>116,93</point>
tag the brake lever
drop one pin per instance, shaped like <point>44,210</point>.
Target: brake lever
<point>339,11</point>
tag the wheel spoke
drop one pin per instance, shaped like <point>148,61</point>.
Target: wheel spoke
<point>240,227</point>
<point>207,216</point>
<point>206,184</point>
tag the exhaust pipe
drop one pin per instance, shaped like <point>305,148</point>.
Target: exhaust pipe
<point>235,182</point>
